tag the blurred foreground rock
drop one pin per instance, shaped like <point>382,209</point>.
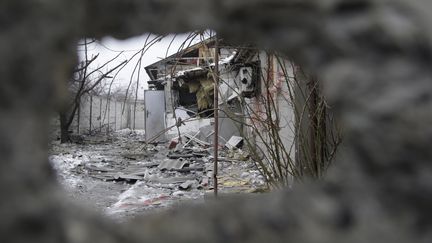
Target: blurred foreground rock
<point>373,56</point>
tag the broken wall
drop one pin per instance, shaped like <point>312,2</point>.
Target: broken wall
<point>270,117</point>
<point>285,104</point>
<point>192,125</point>
<point>230,120</point>
<point>230,114</point>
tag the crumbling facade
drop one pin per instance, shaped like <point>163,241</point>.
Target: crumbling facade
<point>244,74</point>
<point>187,81</point>
<point>263,97</point>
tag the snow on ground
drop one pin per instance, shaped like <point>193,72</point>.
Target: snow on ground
<point>64,164</point>
<point>119,176</point>
<point>138,196</point>
<point>129,132</point>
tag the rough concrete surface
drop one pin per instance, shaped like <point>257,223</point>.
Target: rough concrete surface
<point>373,56</point>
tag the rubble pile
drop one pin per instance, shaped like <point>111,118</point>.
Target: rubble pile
<point>149,176</point>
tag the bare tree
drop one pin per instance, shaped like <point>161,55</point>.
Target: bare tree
<point>83,81</point>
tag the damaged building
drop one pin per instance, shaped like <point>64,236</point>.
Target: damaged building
<point>185,82</point>
<point>263,97</point>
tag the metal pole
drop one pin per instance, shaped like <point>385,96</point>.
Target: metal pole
<point>109,113</point>
<point>91,113</point>
<point>115,115</point>
<point>100,114</point>
<point>216,117</point>
<point>144,106</point>
<point>79,116</point>
<point>145,119</point>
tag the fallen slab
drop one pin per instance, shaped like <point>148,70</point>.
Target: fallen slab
<point>180,156</point>
<point>126,177</point>
<point>96,168</point>
<point>187,185</point>
<point>172,180</point>
<point>172,164</point>
<point>188,169</point>
<point>234,142</point>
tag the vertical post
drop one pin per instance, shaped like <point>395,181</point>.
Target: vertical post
<point>100,114</point>
<point>216,117</point>
<point>134,114</point>
<point>115,115</point>
<point>144,106</point>
<point>129,116</point>
<point>91,113</point>
<point>122,105</point>
<point>109,113</point>
<point>145,117</point>
<point>79,116</point>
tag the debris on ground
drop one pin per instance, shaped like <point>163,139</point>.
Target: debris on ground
<point>234,142</point>
<point>122,176</point>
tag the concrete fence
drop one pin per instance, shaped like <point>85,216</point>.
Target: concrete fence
<point>99,114</point>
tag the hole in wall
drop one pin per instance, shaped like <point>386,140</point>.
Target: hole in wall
<point>136,133</point>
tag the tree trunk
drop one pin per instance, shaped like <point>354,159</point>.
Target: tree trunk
<point>64,128</point>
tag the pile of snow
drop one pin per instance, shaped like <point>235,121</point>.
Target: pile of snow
<point>128,132</point>
<point>137,197</point>
<point>139,132</point>
<point>63,165</point>
<point>123,132</point>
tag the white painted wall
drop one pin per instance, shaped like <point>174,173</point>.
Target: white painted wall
<point>107,115</point>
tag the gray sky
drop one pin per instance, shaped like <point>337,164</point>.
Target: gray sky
<point>109,47</point>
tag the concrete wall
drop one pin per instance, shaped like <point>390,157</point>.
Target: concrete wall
<point>100,114</point>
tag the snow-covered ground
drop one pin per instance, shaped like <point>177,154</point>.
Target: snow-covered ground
<point>94,173</point>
